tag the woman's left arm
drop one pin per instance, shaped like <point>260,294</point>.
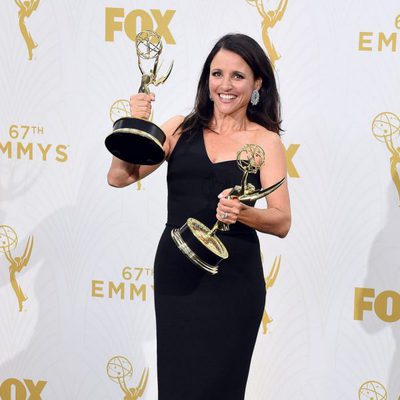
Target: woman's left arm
<point>276,218</point>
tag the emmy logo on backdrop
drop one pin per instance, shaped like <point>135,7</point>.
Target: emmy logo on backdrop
<point>372,390</point>
<point>8,241</point>
<point>386,129</point>
<point>120,109</point>
<point>269,282</point>
<point>270,18</point>
<point>118,369</point>
<point>26,8</point>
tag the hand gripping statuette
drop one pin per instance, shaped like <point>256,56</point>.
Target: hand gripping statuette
<point>137,140</point>
<point>199,243</point>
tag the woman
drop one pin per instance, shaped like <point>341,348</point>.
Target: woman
<point>207,325</point>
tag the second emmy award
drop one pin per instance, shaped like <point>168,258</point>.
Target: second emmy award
<point>199,243</point>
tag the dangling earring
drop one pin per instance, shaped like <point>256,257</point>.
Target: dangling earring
<point>211,99</point>
<point>255,97</point>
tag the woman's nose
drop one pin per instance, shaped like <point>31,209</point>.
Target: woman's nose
<point>226,83</point>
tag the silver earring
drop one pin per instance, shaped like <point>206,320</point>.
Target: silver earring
<point>211,99</point>
<point>255,97</point>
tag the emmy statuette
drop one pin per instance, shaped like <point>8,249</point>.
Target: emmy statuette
<point>137,140</point>
<point>199,243</point>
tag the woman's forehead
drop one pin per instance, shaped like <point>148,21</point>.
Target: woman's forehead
<point>230,59</point>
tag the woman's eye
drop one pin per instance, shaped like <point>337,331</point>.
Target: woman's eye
<point>238,76</point>
<point>216,73</point>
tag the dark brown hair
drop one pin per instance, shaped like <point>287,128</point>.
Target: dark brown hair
<point>266,113</point>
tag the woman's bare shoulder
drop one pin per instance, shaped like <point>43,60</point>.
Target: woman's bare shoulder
<point>172,133</point>
<point>266,138</point>
<point>170,126</point>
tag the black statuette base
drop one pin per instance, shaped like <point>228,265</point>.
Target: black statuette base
<point>136,141</point>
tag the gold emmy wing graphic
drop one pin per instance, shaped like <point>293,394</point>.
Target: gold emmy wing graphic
<point>270,18</point>
<point>386,129</point>
<point>8,241</point>
<point>118,369</point>
<point>269,282</point>
<point>26,8</point>
<point>372,390</point>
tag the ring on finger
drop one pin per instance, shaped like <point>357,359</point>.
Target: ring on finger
<point>224,215</point>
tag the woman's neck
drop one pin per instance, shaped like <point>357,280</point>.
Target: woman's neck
<point>225,124</point>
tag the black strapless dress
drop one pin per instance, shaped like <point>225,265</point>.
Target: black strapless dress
<point>206,325</point>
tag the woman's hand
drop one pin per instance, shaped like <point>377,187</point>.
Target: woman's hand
<point>141,105</point>
<point>228,210</point>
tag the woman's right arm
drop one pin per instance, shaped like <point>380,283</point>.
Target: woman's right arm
<point>122,173</point>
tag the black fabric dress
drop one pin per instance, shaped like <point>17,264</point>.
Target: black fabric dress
<point>206,324</point>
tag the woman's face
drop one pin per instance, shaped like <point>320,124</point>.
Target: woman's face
<point>231,82</point>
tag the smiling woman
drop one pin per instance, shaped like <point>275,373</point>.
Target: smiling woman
<point>231,83</point>
<point>207,324</point>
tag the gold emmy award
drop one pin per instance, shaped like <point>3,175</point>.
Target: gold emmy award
<point>199,243</point>
<point>118,369</point>
<point>137,140</point>
<point>386,129</point>
<point>26,8</point>
<point>8,241</point>
<point>270,18</point>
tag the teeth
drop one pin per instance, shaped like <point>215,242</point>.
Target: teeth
<point>226,96</point>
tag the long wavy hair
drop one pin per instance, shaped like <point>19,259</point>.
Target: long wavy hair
<point>266,113</point>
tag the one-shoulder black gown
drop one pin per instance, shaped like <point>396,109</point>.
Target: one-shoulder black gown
<point>206,324</point>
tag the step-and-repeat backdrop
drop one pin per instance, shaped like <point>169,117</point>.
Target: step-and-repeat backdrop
<point>76,255</point>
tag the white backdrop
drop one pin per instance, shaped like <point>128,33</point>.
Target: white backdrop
<point>334,301</point>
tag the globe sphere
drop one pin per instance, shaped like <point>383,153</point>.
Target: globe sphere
<point>385,125</point>
<point>372,390</point>
<point>8,238</point>
<point>119,367</point>
<point>120,109</point>
<point>148,45</point>
<point>250,158</point>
